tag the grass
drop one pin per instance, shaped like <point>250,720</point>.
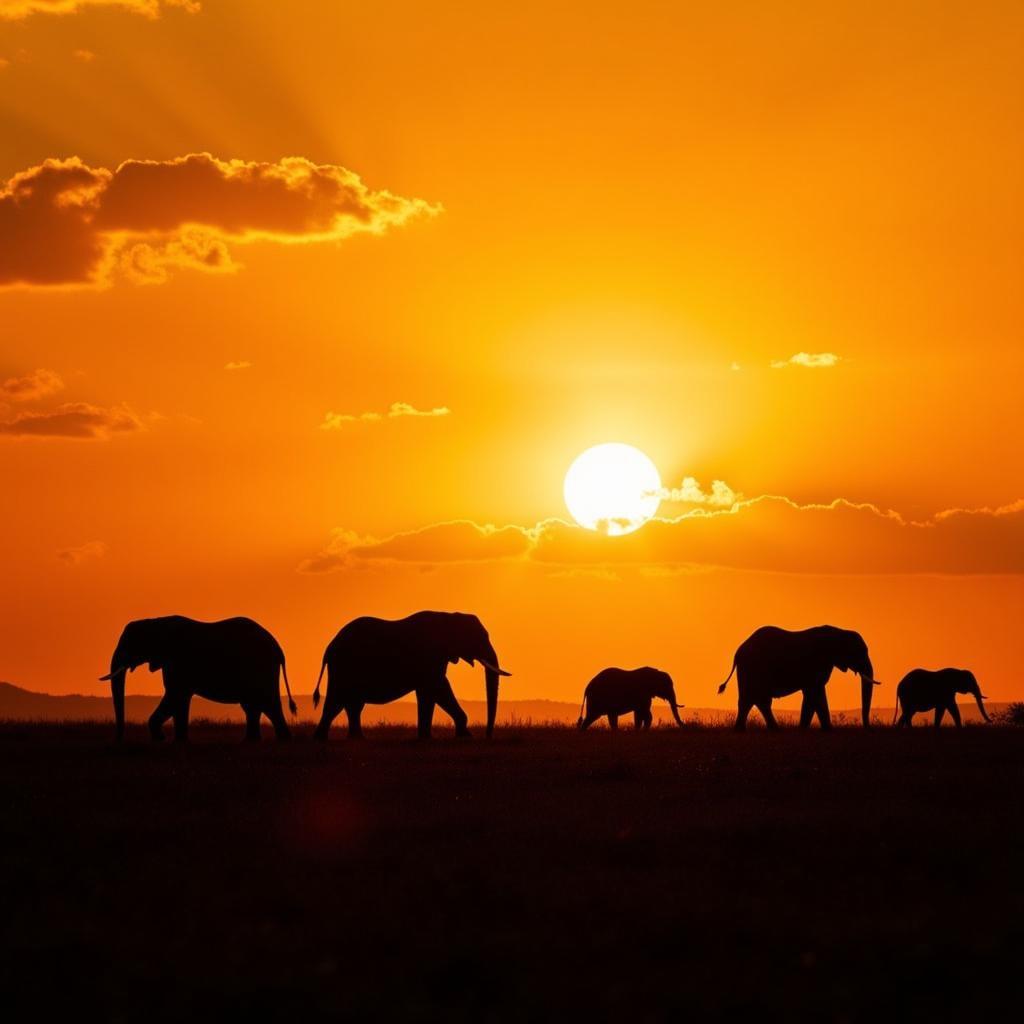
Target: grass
<point>1013,714</point>
<point>544,874</point>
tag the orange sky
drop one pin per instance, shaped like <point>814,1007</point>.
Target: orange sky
<point>563,224</point>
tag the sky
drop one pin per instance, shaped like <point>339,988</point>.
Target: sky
<point>306,309</point>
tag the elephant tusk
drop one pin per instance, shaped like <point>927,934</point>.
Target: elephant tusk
<point>111,675</point>
<point>493,668</point>
<point>873,682</point>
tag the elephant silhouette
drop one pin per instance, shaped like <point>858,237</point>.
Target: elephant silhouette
<point>234,661</point>
<point>923,690</point>
<point>376,661</point>
<point>620,691</point>
<point>774,662</point>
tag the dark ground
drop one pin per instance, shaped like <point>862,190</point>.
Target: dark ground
<point>684,873</point>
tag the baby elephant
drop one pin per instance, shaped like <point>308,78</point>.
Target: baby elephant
<point>921,690</point>
<point>618,691</point>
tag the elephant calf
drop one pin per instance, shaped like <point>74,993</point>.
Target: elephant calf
<point>619,691</point>
<point>922,690</point>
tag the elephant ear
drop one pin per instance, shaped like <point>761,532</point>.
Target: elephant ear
<point>439,642</point>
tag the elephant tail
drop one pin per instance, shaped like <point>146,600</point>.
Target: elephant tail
<point>721,689</point>
<point>292,706</point>
<point>896,713</point>
<point>583,704</point>
<point>316,692</point>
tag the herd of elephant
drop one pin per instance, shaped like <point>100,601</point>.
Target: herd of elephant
<point>376,661</point>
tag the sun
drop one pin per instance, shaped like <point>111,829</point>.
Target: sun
<point>612,488</point>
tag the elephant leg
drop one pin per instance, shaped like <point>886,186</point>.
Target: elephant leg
<point>448,703</point>
<point>252,723</point>
<point>807,709</point>
<point>181,710</point>
<point>742,712</point>
<point>275,713</point>
<point>613,722</point>
<point>424,714</point>
<point>160,715</point>
<point>332,708</point>
<point>765,707</point>
<point>353,712</point>
<point>824,718</point>
<point>954,713</point>
<point>587,722</point>
<point>638,717</point>
<point>648,718</point>
<point>939,712</point>
<point>904,720</point>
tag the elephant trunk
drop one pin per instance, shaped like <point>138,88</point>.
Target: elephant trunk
<point>491,678</point>
<point>979,698</point>
<point>492,673</point>
<point>675,708</point>
<point>867,686</point>
<point>117,694</point>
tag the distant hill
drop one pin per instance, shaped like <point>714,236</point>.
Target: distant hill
<point>18,704</point>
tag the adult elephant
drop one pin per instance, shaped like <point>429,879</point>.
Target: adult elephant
<point>376,661</point>
<point>774,662</point>
<point>620,691</point>
<point>922,690</point>
<point>234,661</point>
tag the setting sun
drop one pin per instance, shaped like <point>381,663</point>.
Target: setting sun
<point>612,488</point>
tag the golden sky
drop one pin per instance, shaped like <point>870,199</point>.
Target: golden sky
<point>306,308</point>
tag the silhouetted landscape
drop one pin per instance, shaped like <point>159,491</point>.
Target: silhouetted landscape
<point>529,500</point>
<point>543,873</point>
<point>19,704</point>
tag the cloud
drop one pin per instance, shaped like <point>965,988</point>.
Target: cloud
<point>337,420</point>
<point>73,420</point>
<point>16,9</point>
<point>85,56</point>
<point>811,360</point>
<point>37,384</point>
<point>457,541</point>
<point>721,494</point>
<point>82,553</point>
<point>404,409</point>
<point>764,534</point>
<point>63,222</point>
<point>240,364</point>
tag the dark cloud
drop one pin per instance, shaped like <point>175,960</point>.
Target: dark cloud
<point>72,420</point>
<point>767,534</point>
<point>15,10</point>
<point>34,385</point>
<point>65,223</point>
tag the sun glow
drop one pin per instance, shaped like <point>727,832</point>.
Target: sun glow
<point>612,488</point>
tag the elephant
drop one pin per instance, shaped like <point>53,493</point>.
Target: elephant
<point>774,662</point>
<point>234,661</point>
<point>376,661</point>
<point>923,690</point>
<point>618,691</point>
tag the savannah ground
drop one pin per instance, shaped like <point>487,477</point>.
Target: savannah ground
<point>541,875</point>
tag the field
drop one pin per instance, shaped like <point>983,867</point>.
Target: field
<point>541,875</point>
